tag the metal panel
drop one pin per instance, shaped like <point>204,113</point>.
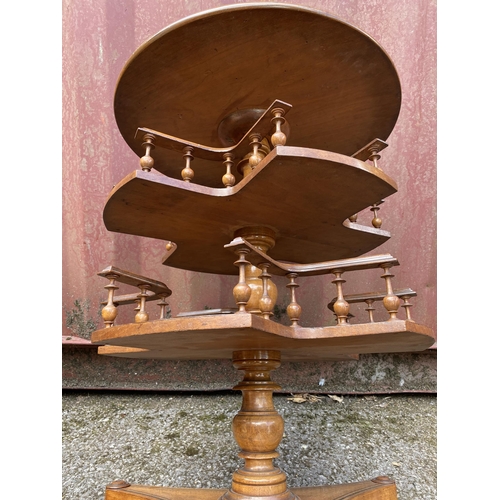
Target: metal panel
<point>99,37</point>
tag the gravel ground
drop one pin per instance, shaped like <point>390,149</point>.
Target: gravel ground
<point>185,440</point>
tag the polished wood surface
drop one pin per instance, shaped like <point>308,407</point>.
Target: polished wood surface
<point>216,337</point>
<point>128,278</point>
<point>259,122</point>
<point>363,490</point>
<point>258,430</point>
<point>277,268</point>
<point>317,192</point>
<point>186,79</point>
<point>221,185</point>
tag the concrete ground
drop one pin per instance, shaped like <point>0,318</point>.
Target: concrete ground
<point>185,440</point>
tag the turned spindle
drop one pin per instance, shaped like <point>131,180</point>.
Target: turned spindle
<point>370,309</point>
<point>142,316</point>
<point>391,302</point>
<point>264,239</point>
<point>258,430</point>
<point>406,304</point>
<point>187,172</point>
<point>110,311</point>
<point>163,306</point>
<point>228,178</point>
<point>341,306</point>
<point>266,303</point>
<point>279,137</point>
<point>147,162</point>
<point>293,309</point>
<point>374,155</point>
<point>376,221</point>
<point>256,156</point>
<point>242,292</point>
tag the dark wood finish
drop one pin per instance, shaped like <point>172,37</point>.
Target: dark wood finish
<point>371,150</point>
<point>216,337</point>
<point>185,80</point>
<point>263,125</point>
<point>309,226</point>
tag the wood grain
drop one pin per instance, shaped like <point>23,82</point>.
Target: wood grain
<point>364,490</point>
<point>185,80</point>
<point>317,192</point>
<point>217,337</point>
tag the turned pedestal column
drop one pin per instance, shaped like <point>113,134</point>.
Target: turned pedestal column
<point>258,430</point>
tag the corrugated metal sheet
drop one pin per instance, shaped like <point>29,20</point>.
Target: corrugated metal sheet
<point>99,37</point>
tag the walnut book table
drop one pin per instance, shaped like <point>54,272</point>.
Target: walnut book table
<point>239,191</point>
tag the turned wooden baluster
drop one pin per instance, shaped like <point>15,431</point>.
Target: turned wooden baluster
<point>137,307</point>
<point>147,161</point>
<point>376,221</point>
<point>407,305</point>
<point>374,154</point>
<point>258,430</point>
<point>293,309</point>
<point>341,306</point>
<point>370,309</point>
<point>110,311</point>
<point>187,172</point>
<point>242,292</point>
<point>279,137</point>
<point>256,156</point>
<point>228,178</point>
<point>142,316</point>
<point>163,306</point>
<point>391,302</point>
<point>265,302</point>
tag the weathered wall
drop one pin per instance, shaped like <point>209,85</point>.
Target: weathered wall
<point>98,38</point>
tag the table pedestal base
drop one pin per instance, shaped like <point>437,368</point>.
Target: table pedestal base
<point>381,488</point>
<point>258,430</point>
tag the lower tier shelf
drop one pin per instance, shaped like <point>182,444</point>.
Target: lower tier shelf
<point>217,337</point>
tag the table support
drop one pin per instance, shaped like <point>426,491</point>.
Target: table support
<point>258,430</point>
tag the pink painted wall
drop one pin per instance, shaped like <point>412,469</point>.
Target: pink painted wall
<point>99,37</point>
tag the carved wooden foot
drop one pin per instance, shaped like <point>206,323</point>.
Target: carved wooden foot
<point>381,488</point>
<point>258,430</point>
